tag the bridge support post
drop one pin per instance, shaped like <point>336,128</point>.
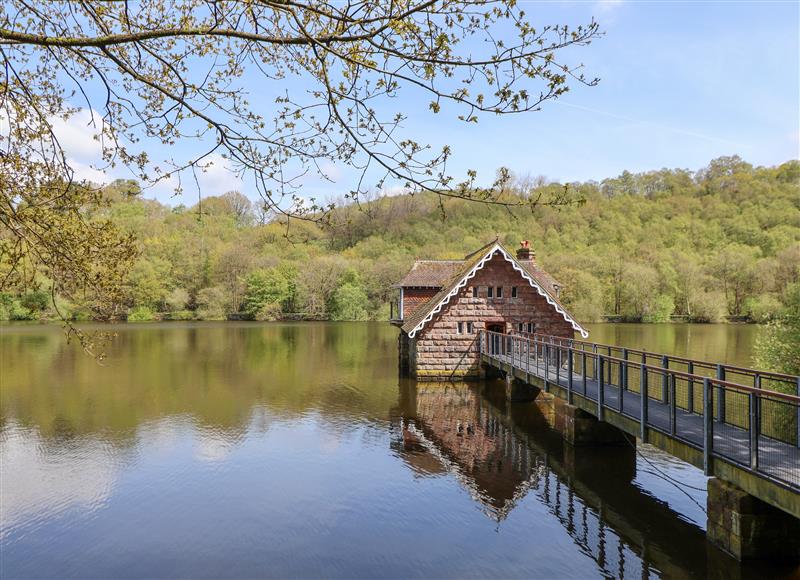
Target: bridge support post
<point>580,428</point>
<point>747,528</point>
<point>518,391</point>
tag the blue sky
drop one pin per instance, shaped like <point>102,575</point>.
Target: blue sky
<point>681,83</point>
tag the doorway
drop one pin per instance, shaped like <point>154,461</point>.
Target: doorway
<point>495,339</point>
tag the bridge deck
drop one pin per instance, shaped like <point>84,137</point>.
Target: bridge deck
<point>777,460</point>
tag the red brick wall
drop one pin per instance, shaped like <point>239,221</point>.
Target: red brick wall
<point>413,298</point>
<point>442,353</point>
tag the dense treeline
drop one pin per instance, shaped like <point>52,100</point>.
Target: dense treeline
<point>722,241</point>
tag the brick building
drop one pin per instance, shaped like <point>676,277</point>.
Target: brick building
<point>445,303</point>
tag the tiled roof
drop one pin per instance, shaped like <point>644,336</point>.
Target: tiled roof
<point>430,273</point>
<point>463,269</point>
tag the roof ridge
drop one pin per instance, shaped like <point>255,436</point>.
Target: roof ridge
<point>496,240</point>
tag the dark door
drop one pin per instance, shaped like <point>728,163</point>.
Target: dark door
<point>495,346</point>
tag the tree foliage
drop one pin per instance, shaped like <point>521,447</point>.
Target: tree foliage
<point>643,247</point>
<point>171,87</point>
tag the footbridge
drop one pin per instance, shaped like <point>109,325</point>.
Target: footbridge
<point>738,424</point>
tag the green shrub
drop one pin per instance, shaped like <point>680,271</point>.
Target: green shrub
<point>141,314</point>
<point>763,308</point>
<point>181,315</point>
<point>19,312</point>
<point>35,300</point>
<point>265,293</point>
<point>268,312</point>
<point>212,304</point>
<point>660,310</point>
<point>177,300</point>
<point>708,307</point>
<point>350,302</point>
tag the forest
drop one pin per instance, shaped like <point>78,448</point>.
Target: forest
<point>710,245</point>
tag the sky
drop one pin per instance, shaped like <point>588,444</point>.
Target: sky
<point>681,83</point>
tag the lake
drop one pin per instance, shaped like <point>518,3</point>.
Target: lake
<point>273,450</point>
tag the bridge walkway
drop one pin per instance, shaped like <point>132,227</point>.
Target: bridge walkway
<point>733,431</point>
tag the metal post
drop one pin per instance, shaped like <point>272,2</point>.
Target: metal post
<point>690,388</point>
<point>546,347</point>
<point>623,372</point>
<point>569,377</point>
<point>720,395</point>
<point>594,349</point>
<point>643,402</point>
<point>600,387</point>
<point>528,356</point>
<point>665,380</point>
<point>708,426</point>
<point>583,370</point>
<point>754,403</point>
<point>546,364</point>
<point>798,414</point>
<point>558,365</point>
<point>621,390</point>
<point>673,407</point>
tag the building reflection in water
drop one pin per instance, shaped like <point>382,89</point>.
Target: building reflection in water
<point>502,453</point>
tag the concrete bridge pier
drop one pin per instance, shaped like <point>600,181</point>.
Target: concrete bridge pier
<point>578,427</point>
<point>748,528</point>
<point>518,391</point>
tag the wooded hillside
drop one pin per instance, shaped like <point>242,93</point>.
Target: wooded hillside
<point>721,241</point>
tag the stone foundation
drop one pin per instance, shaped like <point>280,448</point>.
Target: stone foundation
<point>580,428</point>
<point>747,528</point>
<point>519,391</point>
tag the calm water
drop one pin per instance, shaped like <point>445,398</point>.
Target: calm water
<point>247,450</point>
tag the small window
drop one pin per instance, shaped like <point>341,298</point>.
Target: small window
<point>474,291</point>
<point>469,328</point>
<point>519,327</point>
<point>499,291</point>
<point>513,291</point>
<point>460,328</point>
<point>490,291</point>
<point>530,327</point>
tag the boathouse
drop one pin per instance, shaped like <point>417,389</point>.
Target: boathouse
<point>444,304</point>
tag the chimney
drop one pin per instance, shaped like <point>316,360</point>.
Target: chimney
<point>525,253</point>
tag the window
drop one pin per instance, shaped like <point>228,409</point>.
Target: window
<point>499,291</point>
<point>469,328</point>
<point>489,291</point>
<point>513,291</point>
<point>519,327</point>
<point>531,326</point>
<point>460,328</point>
<point>474,291</point>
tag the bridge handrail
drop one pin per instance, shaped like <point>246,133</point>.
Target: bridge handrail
<point>762,393</point>
<point>739,424</point>
<point>696,362</point>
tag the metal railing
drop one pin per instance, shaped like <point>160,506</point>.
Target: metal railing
<point>754,427</point>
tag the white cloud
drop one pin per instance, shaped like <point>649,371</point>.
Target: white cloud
<point>393,190</point>
<point>331,171</point>
<point>216,175</point>
<point>606,6</point>
<point>79,135</point>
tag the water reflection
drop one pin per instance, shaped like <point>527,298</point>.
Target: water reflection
<point>501,453</point>
<point>236,450</point>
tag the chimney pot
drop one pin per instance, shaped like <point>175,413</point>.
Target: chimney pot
<point>525,253</point>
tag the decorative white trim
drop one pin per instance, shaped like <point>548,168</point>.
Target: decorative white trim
<point>471,274</point>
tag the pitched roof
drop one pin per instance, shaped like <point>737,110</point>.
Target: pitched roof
<point>536,277</point>
<point>430,273</point>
